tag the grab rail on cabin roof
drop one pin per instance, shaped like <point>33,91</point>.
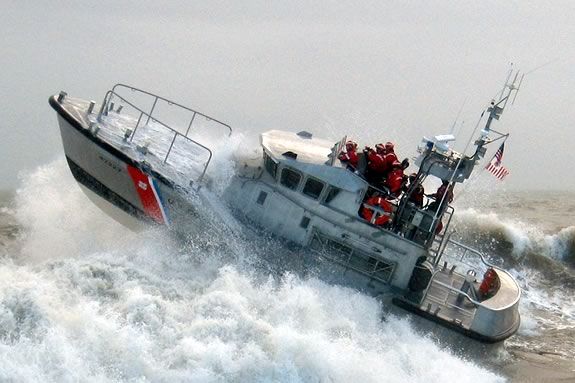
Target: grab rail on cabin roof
<point>111,94</point>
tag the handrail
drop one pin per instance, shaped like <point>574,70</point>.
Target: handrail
<point>391,265</point>
<point>451,288</point>
<point>112,93</point>
<point>134,89</point>
<point>471,250</point>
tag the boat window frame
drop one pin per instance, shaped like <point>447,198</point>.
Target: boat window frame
<point>329,188</point>
<point>324,187</point>
<point>289,168</point>
<point>268,159</point>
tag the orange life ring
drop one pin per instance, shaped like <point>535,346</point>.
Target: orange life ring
<point>368,212</point>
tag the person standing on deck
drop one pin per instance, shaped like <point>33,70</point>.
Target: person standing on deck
<point>376,166</point>
<point>390,156</point>
<point>444,190</point>
<point>415,191</point>
<point>350,155</point>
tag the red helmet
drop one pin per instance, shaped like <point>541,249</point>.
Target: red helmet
<point>380,148</point>
<point>389,146</point>
<point>350,145</point>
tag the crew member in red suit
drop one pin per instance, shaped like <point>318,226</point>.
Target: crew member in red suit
<point>444,190</point>
<point>350,154</point>
<point>376,167</point>
<point>416,189</point>
<point>390,156</point>
<point>394,179</point>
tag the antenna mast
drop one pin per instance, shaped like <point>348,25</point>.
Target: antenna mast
<point>496,109</point>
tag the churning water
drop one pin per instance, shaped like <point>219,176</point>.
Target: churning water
<point>84,299</point>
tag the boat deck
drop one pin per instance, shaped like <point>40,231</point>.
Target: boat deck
<point>446,304</point>
<point>151,143</point>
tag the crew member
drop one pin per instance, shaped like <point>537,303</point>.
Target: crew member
<point>415,191</point>
<point>390,156</point>
<point>394,179</point>
<point>350,155</point>
<point>443,194</point>
<point>380,149</point>
<point>376,166</point>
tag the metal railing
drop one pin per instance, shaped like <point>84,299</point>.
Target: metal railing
<point>112,94</point>
<point>375,268</point>
<point>466,249</point>
<point>445,301</point>
<point>460,258</point>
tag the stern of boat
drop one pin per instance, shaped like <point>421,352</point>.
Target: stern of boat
<point>454,299</point>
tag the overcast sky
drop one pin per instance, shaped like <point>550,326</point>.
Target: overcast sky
<point>376,71</point>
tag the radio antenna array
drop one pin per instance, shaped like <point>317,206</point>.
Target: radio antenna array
<point>510,88</point>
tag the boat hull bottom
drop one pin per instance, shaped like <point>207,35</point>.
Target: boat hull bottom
<point>453,325</point>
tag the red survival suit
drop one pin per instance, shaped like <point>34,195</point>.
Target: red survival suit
<point>441,192</point>
<point>376,162</point>
<point>350,155</point>
<point>417,195</point>
<point>394,180</point>
<point>390,156</point>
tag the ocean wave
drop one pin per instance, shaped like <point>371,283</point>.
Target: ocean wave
<point>562,245</point>
<point>87,300</point>
<point>123,316</point>
<point>518,243</point>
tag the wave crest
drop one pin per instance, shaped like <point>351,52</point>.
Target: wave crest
<point>518,243</point>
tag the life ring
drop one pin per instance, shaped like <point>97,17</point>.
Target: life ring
<point>379,216</point>
<point>489,283</point>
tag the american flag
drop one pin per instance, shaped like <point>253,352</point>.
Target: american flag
<point>494,166</point>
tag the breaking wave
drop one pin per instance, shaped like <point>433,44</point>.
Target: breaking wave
<point>516,239</point>
<point>543,266</point>
<point>84,299</point>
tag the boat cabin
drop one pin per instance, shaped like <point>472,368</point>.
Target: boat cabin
<point>304,165</point>
<point>298,163</point>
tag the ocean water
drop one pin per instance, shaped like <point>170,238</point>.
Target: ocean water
<point>84,299</point>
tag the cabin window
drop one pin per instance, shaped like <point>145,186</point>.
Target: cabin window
<point>270,165</point>
<point>313,188</point>
<point>331,194</point>
<point>290,178</point>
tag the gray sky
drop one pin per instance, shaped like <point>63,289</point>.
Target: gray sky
<point>377,71</point>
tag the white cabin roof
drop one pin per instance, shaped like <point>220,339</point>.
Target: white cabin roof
<point>309,150</point>
<point>312,158</point>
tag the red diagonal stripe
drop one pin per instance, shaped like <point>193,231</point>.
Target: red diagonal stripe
<point>146,194</point>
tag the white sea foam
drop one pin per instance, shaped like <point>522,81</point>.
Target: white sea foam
<point>524,237</point>
<point>542,308</point>
<point>99,303</point>
<point>58,218</point>
<point>562,244</point>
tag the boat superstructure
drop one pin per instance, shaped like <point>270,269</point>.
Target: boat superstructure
<point>132,161</point>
